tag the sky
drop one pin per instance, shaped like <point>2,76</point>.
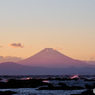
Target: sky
<point>28,26</point>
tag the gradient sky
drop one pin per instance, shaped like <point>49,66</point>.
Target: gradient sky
<point>32,25</point>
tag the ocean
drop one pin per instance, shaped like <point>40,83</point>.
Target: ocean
<point>78,80</point>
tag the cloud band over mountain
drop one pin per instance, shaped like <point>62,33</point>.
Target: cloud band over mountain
<point>9,59</point>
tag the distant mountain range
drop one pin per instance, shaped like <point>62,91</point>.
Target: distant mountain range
<point>11,68</point>
<point>47,62</point>
<point>90,62</point>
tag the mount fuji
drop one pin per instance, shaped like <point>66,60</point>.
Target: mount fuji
<point>51,58</point>
<point>47,62</point>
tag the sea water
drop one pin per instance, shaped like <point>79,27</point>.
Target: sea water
<point>34,91</point>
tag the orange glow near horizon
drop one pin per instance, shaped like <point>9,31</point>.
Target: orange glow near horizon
<point>30,26</point>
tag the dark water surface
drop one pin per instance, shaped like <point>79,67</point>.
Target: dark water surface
<point>53,79</point>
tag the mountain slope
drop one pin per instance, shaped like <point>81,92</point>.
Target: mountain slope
<point>52,58</point>
<point>11,68</point>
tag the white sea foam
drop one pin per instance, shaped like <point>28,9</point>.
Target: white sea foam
<point>33,91</point>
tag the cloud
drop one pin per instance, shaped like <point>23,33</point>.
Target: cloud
<point>57,48</point>
<point>9,59</point>
<point>1,46</point>
<point>15,45</point>
<point>92,57</point>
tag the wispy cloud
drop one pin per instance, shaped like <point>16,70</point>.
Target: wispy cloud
<point>16,45</point>
<point>1,46</point>
<point>57,48</point>
<point>92,57</point>
<point>9,59</point>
